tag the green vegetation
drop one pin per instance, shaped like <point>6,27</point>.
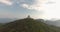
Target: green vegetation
<point>28,25</point>
<point>1,25</point>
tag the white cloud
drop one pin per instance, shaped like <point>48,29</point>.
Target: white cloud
<point>7,2</point>
<point>33,7</point>
<point>51,11</point>
<point>38,5</point>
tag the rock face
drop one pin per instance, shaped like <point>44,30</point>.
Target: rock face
<point>26,25</point>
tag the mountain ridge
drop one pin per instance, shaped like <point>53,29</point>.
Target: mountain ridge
<point>27,25</point>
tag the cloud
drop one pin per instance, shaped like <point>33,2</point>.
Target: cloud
<point>37,5</point>
<point>7,2</point>
<point>51,2</point>
<point>33,7</point>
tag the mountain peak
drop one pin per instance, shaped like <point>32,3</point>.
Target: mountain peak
<point>28,17</point>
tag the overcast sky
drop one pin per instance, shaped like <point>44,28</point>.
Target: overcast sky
<point>45,9</point>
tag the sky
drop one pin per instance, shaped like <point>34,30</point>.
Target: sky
<point>45,9</point>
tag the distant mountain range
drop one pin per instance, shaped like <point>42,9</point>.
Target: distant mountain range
<point>55,23</point>
<point>6,20</point>
<point>51,22</point>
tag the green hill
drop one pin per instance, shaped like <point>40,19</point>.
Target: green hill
<point>28,25</point>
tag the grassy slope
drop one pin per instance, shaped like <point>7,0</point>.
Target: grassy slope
<point>28,25</point>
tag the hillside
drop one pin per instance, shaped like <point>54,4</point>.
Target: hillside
<point>28,25</point>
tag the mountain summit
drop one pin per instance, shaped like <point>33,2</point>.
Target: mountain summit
<point>27,25</point>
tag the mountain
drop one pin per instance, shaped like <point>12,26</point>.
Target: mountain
<point>55,23</point>
<point>28,25</point>
<point>6,20</point>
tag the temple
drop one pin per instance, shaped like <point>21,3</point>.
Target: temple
<point>28,16</point>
